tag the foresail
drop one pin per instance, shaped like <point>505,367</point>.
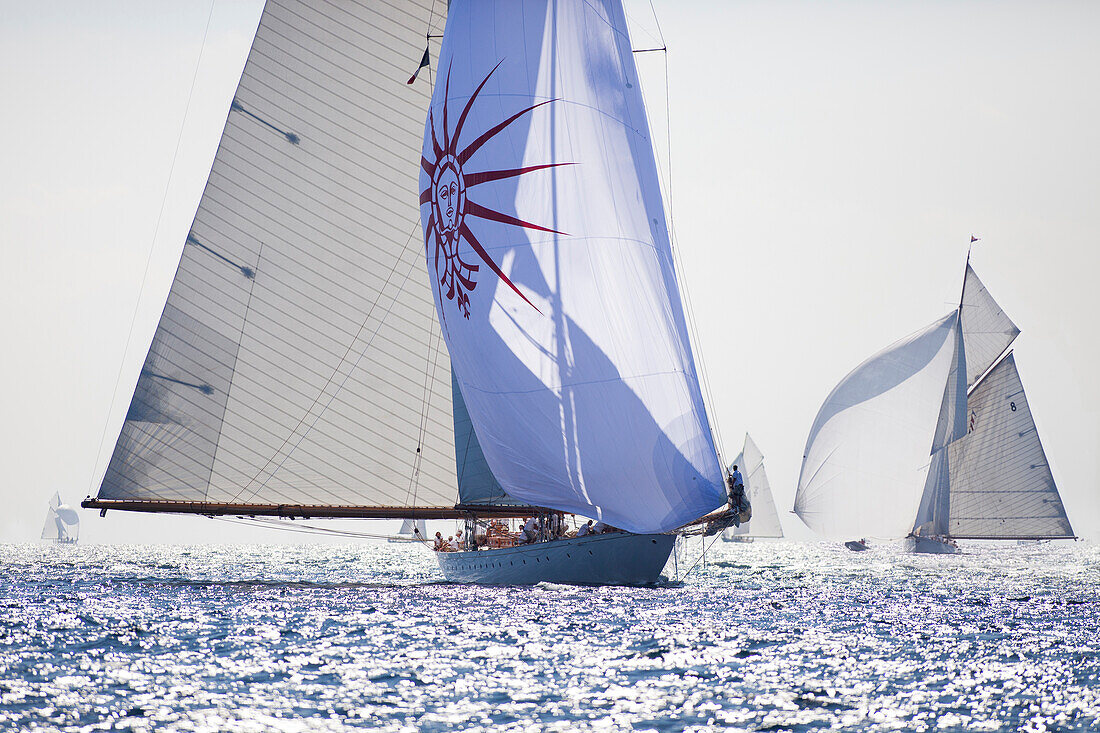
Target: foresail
<point>1001,483</point>
<point>549,255</point>
<point>765,518</point>
<point>476,483</point>
<point>987,330</point>
<point>867,454</point>
<point>298,360</point>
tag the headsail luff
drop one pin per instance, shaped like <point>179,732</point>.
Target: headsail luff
<point>298,363</point>
<point>552,269</point>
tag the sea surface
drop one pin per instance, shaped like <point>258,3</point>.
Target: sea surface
<point>763,636</point>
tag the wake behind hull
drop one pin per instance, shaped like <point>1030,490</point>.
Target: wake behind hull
<point>619,558</point>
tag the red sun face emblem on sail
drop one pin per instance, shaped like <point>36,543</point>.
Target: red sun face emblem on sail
<point>448,189</point>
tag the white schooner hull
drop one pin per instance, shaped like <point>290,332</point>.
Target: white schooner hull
<point>619,558</point>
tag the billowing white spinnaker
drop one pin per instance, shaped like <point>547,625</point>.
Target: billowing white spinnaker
<point>867,454</point>
<point>550,260</point>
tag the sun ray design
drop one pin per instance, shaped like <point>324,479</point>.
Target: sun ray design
<point>447,193</point>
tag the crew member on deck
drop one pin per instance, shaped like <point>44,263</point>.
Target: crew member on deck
<point>585,529</point>
<point>530,530</point>
<point>736,490</point>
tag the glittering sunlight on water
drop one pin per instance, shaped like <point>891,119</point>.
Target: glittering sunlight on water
<point>773,636</point>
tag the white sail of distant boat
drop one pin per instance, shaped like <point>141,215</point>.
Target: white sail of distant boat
<point>935,427</point>
<point>764,522</point>
<point>344,340</point>
<point>62,522</point>
<point>412,530</point>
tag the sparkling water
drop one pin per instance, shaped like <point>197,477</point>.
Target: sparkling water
<point>772,636</point>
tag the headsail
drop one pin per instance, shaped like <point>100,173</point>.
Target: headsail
<point>1001,483</point>
<point>765,519</point>
<point>987,330</point>
<point>867,454</point>
<point>298,360</point>
<point>550,259</point>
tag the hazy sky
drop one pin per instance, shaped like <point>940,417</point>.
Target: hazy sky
<point>829,163</point>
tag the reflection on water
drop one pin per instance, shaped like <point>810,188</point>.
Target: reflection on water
<point>763,636</point>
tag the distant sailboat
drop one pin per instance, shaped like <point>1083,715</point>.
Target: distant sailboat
<point>936,427</point>
<point>62,523</point>
<point>412,530</point>
<point>343,340</point>
<point>764,522</point>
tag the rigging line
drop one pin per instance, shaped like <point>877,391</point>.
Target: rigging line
<point>308,529</point>
<point>702,555</point>
<point>343,360</point>
<point>429,377</point>
<point>689,311</point>
<point>152,246</point>
<point>236,356</point>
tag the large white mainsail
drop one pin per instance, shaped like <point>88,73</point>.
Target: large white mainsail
<point>867,455</point>
<point>298,360</point>
<point>1001,483</point>
<point>765,519</point>
<point>549,254</point>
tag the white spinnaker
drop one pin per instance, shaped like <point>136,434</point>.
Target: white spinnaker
<point>62,521</point>
<point>868,450</point>
<point>568,339</point>
<point>298,359</point>
<point>1001,483</point>
<point>932,512</point>
<point>765,518</point>
<point>987,330</point>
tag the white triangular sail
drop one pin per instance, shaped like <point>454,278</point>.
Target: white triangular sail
<point>62,522</point>
<point>867,455</point>
<point>1001,483</point>
<point>413,528</point>
<point>550,258</point>
<point>987,330</point>
<point>765,518</point>
<point>298,359</point>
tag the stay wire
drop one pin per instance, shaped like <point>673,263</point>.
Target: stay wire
<point>152,246</point>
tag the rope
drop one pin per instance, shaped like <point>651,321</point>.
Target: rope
<point>152,246</point>
<point>702,556</point>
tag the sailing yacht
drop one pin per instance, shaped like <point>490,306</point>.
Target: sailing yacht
<point>396,290</point>
<point>62,523</point>
<point>932,440</point>
<point>764,522</point>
